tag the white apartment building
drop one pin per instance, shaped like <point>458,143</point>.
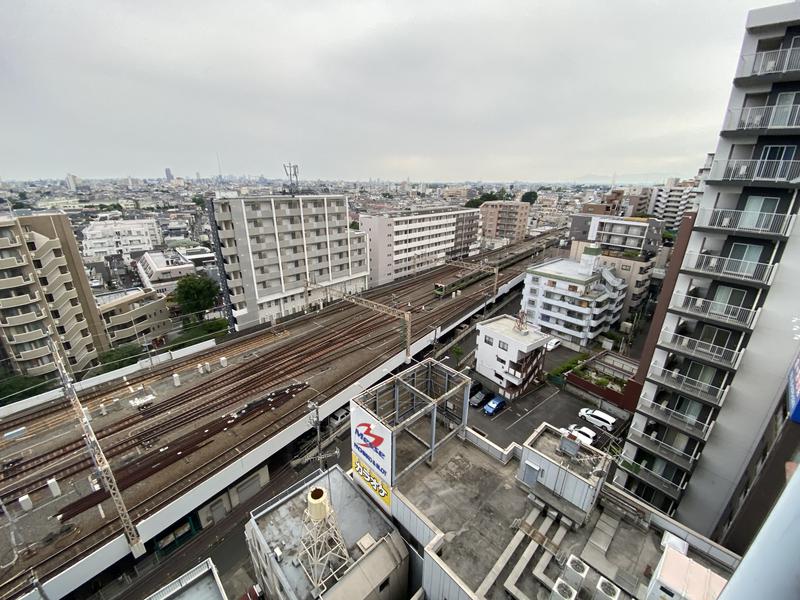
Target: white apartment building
<point>404,243</point>
<point>670,201</point>
<point>45,295</point>
<point>574,300</point>
<point>103,238</point>
<point>714,399</point>
<point>510,354</point>
<point>279,255</point>
<point>162,270</point>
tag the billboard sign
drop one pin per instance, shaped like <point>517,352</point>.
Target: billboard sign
<point>793,391</point>
<point>371,444</point>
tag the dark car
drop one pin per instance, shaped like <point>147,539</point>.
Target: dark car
<point>478,400</point>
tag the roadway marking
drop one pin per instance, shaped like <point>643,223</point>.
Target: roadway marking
<point>531,409</point>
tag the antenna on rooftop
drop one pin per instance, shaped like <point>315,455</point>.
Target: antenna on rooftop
<point>219,169</point>
<point>292,172</point>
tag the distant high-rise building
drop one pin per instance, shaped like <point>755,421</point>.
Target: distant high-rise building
<point>669,202</point>
<point>197,176</point>
<point>505,220</point>
<point>45,295</point>
<point>72,182</point>
<point>278,253</point>
<point>168,174</point>
<point>123,236</point>
<point>403,243</point>
<point>724,335</point>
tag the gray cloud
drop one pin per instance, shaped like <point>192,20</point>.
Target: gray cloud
<point>356,89</point>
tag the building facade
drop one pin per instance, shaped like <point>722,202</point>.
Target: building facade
<point>279,254</point>
<point>670,201</point>
<point>101,238</point>
<point>405,243</point>
<point>629,244</point>
<point>509,354</point>
<point>45,295</point>
<point>162,270</point>
<point>505,219</point>
<point>713,400</point>
<point>574,300</point>
<point>134,316</point>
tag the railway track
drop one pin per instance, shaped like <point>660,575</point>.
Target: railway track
<point>248,382</point>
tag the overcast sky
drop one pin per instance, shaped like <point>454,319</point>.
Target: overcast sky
<point>435,91</point>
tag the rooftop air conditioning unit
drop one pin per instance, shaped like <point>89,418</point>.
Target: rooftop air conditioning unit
<point>562,591</point>
<point>575,572</point>
<point>606,590</point>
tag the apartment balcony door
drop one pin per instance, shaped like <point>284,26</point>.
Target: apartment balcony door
<point>775,162</point>
<point>702,373</point>
<point>744,259</point>
<point>714,336</point>
<point>690,408</point>
<point>727,301</point>
<point>785,113</point>
<point>758,212</point>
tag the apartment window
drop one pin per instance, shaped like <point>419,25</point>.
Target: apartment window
<point>502,345</point>
<point>488,340</point>
<point>625,267</point>
<point>501,360</point>
<point>573,288</point>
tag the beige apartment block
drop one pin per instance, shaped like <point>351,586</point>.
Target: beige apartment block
<point>505,219</point>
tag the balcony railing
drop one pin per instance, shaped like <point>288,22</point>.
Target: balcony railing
<point>781,116</point>
<point>674,418</point>
<point>729,267</point>
<point>652,478</point>
<point>687,385</point>
<point>743,220</point>
<point>769,62</point>
<point>671,453</point>
<point>698,348</point>
<point>755,170</point>
<point>714,311</point>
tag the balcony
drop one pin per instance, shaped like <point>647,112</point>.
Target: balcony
<point>19,300</point>
<point>8,283</point>
<point>673,418</point>
<point>576,320</point>
<point>23,319</point>
<point>710,353</point>
<point>41,369</point>
<point>11,262</point>
<point>770,65</point>
<point>736,221</point>
<point>746,171</point>
<point>8,241</point>
<point>713,311</point>
<point>730,269</point>
<point>28,336</point>
<point>693,388</point>
<point>673,490</point>
<point>662,449</point>
<point>34,354</point>
<point>755,120</point>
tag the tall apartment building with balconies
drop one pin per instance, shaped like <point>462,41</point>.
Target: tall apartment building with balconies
<point>713,399</point>
<point>45,294</point>
<point>278,254</point>
<point>404,243</point>
<point>574,300</point>
<point>629,244</point>
<point>669,202</point>
<point>505,220</point>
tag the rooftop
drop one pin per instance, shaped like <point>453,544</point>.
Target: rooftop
<point>110,297</point>
<point>547,441</point>
<point>164,260</point>
<point>199,583</point>
<point>506,326</point>
<point>281,522</point>
<point>564,268</point>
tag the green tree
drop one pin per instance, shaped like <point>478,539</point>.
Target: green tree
<point>117,358</point>
<point>18,387</point>
<point>530,197</point>
<point>23,195</point>
<point>355,225</point>
<point>196,293</point>
<point>199,200</point>
<point>498,196</point>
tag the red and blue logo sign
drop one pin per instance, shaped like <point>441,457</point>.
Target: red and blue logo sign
<point>368,439</point>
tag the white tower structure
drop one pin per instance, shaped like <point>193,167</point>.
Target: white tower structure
<point>324,551</point>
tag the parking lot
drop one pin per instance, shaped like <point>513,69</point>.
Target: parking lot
<point>522,416</point>
<point>557,357</point>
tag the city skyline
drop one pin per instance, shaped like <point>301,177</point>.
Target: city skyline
<point>367,90</point>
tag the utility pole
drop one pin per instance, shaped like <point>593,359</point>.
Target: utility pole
<point>292,173</point>
<point>314,421</point>
<point>98,457</point>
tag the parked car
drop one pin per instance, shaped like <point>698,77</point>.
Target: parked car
<point>339,417</point>
<point>494,406</point>
<point>475,387</point>
<point>552,344</point>
<point>583,440</point>
<point>478,400</point>
<point>583,431</point>
<point>597,418</point>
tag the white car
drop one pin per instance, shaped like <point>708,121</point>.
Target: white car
<point>597,418</point>
<point>582,431</point>
<point>583,439</point>
<point>552,344</point>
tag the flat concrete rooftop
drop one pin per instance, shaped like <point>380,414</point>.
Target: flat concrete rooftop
<point>583,463</point>
<point>564,267</point>
<point>506,326</point>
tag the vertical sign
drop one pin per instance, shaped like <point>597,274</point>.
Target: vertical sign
<point>371,443</point>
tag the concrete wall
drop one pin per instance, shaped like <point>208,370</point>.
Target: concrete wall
<point>566,484</point>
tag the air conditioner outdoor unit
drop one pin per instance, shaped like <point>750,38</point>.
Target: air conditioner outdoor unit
<point>562,591</point>
<point>575,572</point>
<point>726,222</point>
<point>606,590</point>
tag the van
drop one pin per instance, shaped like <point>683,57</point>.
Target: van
<point>598,418</point>
<point>338,418</point>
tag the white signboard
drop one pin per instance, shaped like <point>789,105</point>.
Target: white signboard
<point>371,443</point>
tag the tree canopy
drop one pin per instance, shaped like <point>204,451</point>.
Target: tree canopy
<point>498,196</point>
<point>530,197</point>
<point>119,357</point>
<point>196,293</point>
